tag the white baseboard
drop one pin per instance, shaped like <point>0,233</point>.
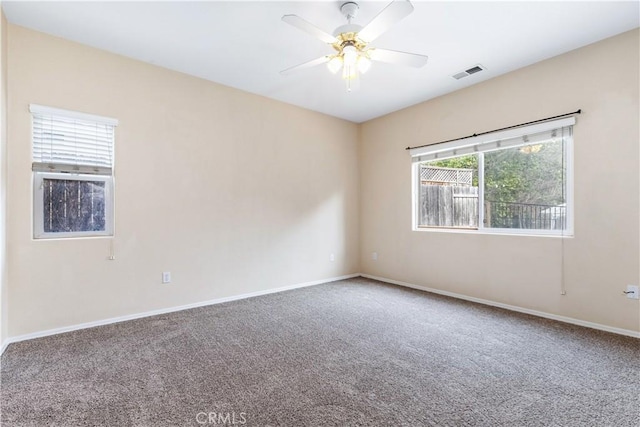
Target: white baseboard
<point>64,329</point>
<point>620,331</point>
<point>565,319</point>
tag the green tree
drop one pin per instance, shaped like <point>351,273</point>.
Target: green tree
<point>533,174</point>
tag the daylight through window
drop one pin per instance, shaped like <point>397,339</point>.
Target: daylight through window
<point>72,173</point>
<point>516,181</point>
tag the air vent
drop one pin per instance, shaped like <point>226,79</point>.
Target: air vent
<point>474,70</point>
<point>468,72</point>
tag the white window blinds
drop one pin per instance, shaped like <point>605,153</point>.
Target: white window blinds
<point>68,141</point>
<point>519,136</point>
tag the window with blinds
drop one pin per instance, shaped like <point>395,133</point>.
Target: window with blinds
<point>72,165</point>
<point>513,181</point>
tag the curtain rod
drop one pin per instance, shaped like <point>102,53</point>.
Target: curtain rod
<point>498,130</point>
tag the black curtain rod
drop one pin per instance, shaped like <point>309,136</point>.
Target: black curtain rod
<point>498,130</point>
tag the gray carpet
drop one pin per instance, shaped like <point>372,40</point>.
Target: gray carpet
<point>349,353</point>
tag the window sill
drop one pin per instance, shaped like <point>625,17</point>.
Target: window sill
<point>494,232</point>
<point>71,237</point>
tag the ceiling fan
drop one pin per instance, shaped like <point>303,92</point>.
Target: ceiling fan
<point>353,54</point>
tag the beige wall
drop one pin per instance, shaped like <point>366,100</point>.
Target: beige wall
<point>231,192</point>
<point>235,193</point>
<point>3,182</point>
<point>601,79</point>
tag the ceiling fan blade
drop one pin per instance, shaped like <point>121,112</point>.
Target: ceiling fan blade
<point>308,64</point>
<point>394,12</point>
<point>396,57</point>
<point>308,28</point>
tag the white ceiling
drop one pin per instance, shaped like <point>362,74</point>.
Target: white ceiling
<point>245,44</point>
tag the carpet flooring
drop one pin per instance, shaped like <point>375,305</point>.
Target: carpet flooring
<point>350,353</point>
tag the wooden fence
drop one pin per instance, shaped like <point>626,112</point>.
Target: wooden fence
<point>434,175</point>
<point>448,206</point>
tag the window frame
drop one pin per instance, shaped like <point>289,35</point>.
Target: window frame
<point>482,229</point>
<point>63,170</point>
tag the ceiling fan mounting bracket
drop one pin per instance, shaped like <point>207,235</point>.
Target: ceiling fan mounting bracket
<point>349,10</point>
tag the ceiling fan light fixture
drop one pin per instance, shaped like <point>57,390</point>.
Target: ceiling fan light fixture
<point>349,72</point>
<point>364,64</point>
<point>334,64</point>
<point>350,55</point>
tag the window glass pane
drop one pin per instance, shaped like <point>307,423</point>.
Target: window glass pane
<point>524,187</point>
<point>448,194</point>
<point>73,205</point>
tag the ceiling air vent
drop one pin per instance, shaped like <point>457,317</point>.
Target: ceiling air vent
<point>468,72</point>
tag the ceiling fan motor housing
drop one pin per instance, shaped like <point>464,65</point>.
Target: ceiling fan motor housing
<point>347,28</point>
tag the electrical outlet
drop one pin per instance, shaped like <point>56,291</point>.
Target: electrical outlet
<point>332,257</point>
<point>632,292</point>
<point>166,277</point>
<point>374,256</point>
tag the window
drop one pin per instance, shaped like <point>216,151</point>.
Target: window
<point>72,173</point>
<point>514,181</point>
